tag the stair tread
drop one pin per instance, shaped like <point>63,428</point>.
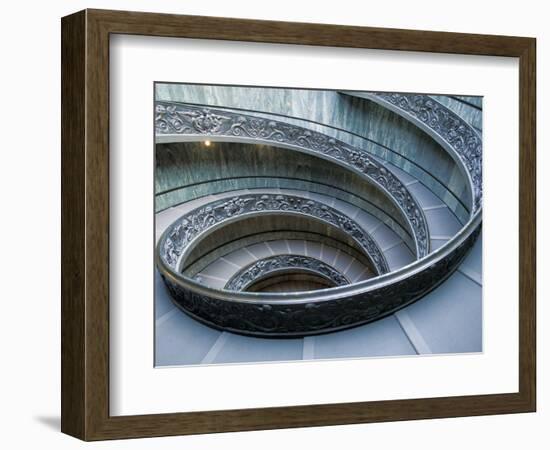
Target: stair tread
<point>436,243</point>
<point>385,237</point>
<point>399,256</point>
<point>442,222</point>
<point>424,196</point>
<point>240,257</point>
<point>450,317</point>
<point>381,338</point>
<point>239,348</point>
<point>260,250</point>
<point>182,340</point>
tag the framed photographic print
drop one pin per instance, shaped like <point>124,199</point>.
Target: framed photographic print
<point>271,224</point>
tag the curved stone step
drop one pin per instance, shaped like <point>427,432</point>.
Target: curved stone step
<point>397,255</point>
<point>167,216</point>
<point>468,108</point>
<point>442,223</point>
<point>218,273</point>
<point>447,320</point>
<point>385,337</point>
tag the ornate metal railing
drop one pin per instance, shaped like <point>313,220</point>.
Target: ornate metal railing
<point>183,234</point>
<point>271,265</point>
<point>324,310</point>
<point>176,121</point>
<point>460,139</point>
<point>320,311</point>
<point>373,147</point>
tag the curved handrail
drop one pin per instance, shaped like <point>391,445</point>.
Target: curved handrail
<point>354,199</point>
<point>352,136</point>
<point>179,238</point>
<point>312,312</point>
<point>456,135</point>
<point>325,310</point>
<point>472,228</point>
<point>259,269</point>
<point>200,262</point>
<point>181,120</point>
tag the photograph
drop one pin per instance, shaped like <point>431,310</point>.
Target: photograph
<point>296,224</point>
<point>268,225</point>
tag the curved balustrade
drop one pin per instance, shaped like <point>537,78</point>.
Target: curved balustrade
<point>301,243</point>
<point>280,263</point>
<point>324,310</point>
<point>315,187</point>
<point>337,308</point>
<point>455,134</point>
<point>179,238</point>
<point>179,120</point>
<point>371,146</point>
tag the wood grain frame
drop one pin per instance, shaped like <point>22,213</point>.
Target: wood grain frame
<point>85,224</point>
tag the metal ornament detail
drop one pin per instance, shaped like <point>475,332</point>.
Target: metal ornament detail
<point>326,310</point>
<point>267,266</point>
<point>294,318</point>
<point>182,119</point>
<point>177,237</point>
<point>450,127</point>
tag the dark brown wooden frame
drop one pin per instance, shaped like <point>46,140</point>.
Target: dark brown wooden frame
<point>85,224</point>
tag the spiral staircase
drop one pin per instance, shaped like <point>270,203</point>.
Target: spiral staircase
<point>295,225</point>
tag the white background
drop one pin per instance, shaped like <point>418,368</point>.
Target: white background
<point>31,233</point>
<point>138,388</point>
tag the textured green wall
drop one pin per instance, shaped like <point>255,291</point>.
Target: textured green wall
<point>194,267</point>
<point>468,108</point>
<point>189,170</point>
<point>353,114</point>
<point>243,228</point>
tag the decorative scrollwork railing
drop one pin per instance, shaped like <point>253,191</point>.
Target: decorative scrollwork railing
<point>279,263</point>
<point>449,129</point>
<point>321,311</point>
<point>175,119</point>
<point>178,239</point>
<point>324,310</point>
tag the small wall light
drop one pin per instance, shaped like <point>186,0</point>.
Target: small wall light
<point>207,143</point>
